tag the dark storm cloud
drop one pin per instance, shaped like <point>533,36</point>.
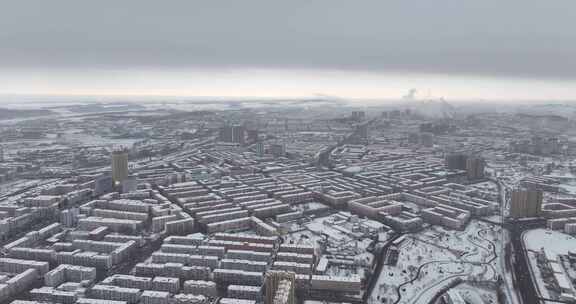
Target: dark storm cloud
<point>531,38</point>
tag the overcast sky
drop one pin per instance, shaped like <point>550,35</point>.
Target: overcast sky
<point>455,48</point>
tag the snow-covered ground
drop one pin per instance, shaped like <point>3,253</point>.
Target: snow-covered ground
<point>15,185</point>
<point>346,235</point>
<point>340,237</point>
<point>434,258</point>
<point>554,241</point>
<point>477,295</point>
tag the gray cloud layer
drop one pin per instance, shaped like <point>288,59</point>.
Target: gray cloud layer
<point>528,38</point>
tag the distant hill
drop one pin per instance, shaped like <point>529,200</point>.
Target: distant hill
<point>102,107</point>
<point>13,113</point>
<point>550,110</point>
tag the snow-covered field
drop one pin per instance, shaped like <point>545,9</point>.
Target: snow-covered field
<point>554,241</point>
<point>477,295</point>
<point>430,260</point>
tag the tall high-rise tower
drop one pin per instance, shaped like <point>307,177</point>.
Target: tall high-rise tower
<point>119,165</point>
<point>280,287</point>
<point>233,134</point>
<point>475,167</point>
<point>525,203</point>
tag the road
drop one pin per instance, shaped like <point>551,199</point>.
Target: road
<point>29,188</point>
<point>380,259</point>
<point>520,268</point>
<point>522,279</point>
<point>508,278</point>
<point>139,256</point>
<point>399,295</point>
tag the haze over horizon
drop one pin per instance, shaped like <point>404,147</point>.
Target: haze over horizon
<point>517,50</point>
